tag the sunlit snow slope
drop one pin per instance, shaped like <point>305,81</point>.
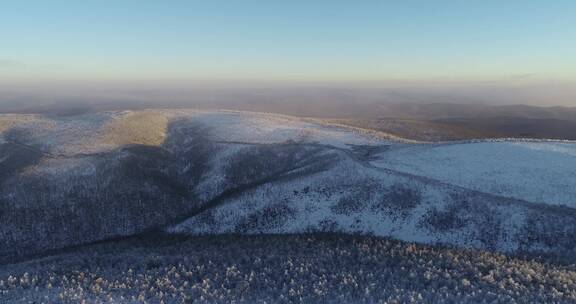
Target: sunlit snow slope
<point>540,172</point>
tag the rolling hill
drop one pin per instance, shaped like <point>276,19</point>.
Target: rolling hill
<point>79,179</point>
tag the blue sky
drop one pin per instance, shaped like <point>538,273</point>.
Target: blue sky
<point>287,40</point>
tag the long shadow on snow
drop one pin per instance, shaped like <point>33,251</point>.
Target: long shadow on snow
<point>133,189</point>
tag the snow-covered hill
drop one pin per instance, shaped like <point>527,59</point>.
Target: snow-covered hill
<point>535,171</point>
<point>73,180</point>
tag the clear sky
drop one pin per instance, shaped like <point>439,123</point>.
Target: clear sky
<point>288,40</point>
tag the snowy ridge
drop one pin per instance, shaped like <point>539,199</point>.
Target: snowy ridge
<point>347,198</point>
<point>266,128</point>
<point>103,175</point>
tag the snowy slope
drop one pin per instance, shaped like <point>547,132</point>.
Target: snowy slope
<point>96,176</point>
<point>495,213</point>
<point>540,172</point>
<point>354,199</point>
<point>84,134</point>
<point>273,128</point>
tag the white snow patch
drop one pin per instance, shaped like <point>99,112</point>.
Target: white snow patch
<point>540,172</point>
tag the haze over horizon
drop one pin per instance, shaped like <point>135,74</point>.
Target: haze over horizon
<point>494,52</point>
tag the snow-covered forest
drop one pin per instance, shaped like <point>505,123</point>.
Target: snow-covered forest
<point>283,269</point>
